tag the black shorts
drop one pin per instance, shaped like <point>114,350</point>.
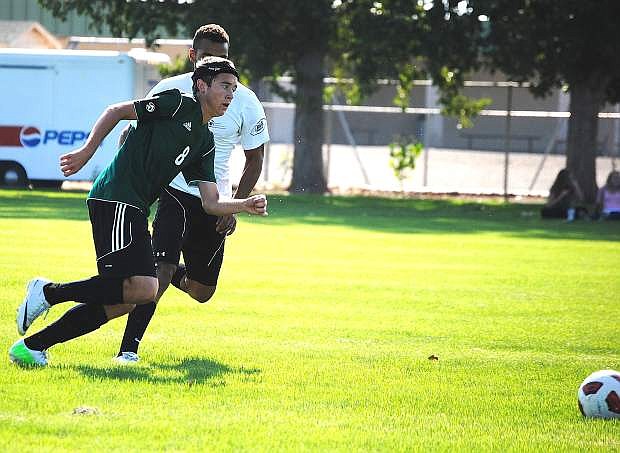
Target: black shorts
<point>122,239</point>
<point>182,225</point>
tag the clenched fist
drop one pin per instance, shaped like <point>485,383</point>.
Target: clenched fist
<point>256,204</point>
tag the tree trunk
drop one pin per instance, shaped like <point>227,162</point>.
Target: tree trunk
<point>586,99</point>
<point>308,176</point>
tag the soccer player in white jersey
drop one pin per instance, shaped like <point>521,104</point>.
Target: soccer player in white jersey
<point>181,225</point>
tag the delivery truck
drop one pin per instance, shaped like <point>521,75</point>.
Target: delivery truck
<point>52,98</point>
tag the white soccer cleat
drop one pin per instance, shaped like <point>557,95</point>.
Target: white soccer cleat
<point>34,304</point>
<point>127,358</point>
<point>20,354</point>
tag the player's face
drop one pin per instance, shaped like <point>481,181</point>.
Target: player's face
<point>220,93</point>
<point>206,48</point>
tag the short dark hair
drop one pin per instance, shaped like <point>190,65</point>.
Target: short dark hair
<point>208,68</point>
<point>212,32</point>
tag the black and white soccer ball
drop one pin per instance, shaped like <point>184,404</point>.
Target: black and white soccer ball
<point>599,395</point>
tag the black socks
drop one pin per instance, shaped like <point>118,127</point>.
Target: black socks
<point>95,290</point>
<point>139,319</point>
<point>137,322</point>
<point>76,322</point>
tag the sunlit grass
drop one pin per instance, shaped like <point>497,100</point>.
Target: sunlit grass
<point>320,334</point>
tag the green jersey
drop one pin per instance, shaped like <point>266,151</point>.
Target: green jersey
<point>169,138</point>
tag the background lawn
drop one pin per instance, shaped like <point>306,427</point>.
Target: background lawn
<point>319,335</point>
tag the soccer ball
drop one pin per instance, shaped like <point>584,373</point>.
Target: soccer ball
<point>599,395</point>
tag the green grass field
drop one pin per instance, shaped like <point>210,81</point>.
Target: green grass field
<point>320,334</point>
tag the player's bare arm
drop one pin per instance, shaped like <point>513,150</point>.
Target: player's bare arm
<point>73,161</point>
<point>256,204</point>
<point>251,172</point>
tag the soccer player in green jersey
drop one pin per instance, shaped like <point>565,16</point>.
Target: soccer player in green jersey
<point>181,226</point>
<point>169,138</point>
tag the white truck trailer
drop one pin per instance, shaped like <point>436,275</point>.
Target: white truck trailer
<point>51,100</point>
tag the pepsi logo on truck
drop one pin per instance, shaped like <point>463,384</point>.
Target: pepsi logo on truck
<point>30,136</point>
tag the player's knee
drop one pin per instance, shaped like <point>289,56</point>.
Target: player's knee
<point>201,293</point>
<point>140,290</point>
<point>149,293</point>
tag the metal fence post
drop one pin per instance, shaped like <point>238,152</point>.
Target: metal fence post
<point>508,141</point>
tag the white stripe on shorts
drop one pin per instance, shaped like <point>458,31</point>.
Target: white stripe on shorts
<point>122,227</point>
<point>113,242</point>
<point>118,233</point>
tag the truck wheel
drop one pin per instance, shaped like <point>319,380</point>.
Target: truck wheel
<point>13,175</point>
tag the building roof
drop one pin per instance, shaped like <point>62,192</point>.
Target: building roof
<point>29,34</point>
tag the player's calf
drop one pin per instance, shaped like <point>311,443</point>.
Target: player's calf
<point>116,311</point>
<point>199,292</point>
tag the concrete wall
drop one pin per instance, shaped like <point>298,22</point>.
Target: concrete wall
<point>528,134</point>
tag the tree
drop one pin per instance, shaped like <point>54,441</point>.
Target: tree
<point>404,40</point>
<point>280,37</point>
<point>360,39</point>
<point>552,44</point>
<point>269,38</point>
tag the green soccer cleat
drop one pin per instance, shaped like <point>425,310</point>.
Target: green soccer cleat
<point>20,354</point>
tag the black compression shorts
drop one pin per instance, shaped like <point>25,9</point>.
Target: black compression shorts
<point>182,225</point>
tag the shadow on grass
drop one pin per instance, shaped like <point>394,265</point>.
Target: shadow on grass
<point>390,215</point>
<point>189,371</point>
<point>445,216</point>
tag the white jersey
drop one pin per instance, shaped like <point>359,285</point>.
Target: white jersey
<point>244,122</point>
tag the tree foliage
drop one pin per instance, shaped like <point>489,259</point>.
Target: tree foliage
<point>268,38</point>
<point>552,44</point>
<point>403,155</point>
<point>126,18</point>
<point>398,39</point>
<point>404,40</point>
<point>547,43</point>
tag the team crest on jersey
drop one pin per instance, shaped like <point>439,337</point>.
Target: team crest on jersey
<point>259,127</point>
<point>150,107</point>
<point>188,126</point>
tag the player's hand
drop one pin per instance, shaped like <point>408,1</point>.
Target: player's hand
<point>226,224</point>
<point>72,162</point>
<point>257,205</point>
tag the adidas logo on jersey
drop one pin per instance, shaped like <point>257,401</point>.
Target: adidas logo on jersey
<point>188,126</point>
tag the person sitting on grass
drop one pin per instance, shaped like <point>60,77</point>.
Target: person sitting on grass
<point>608,198</point>
<point>565,199</point>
